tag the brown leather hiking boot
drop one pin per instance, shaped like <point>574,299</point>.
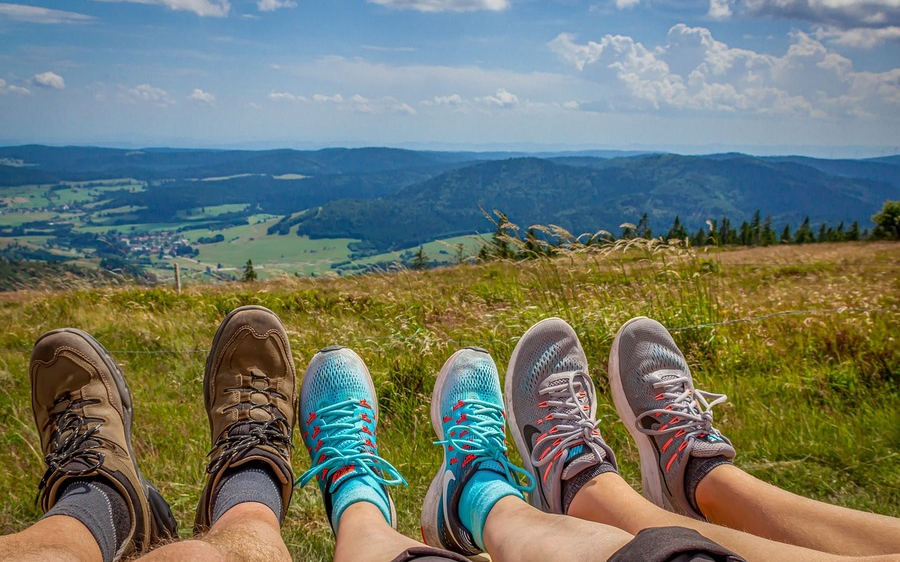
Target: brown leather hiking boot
<point>82,408</point>
<point>250,390</point>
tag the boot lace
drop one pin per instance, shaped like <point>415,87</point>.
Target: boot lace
<point>73,438</point>
<point>250,433</point>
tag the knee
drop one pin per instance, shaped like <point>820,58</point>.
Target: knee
<point>187,551</point>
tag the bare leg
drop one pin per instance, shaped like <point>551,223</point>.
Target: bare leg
<point>248,532</point>
<point>514,531</point>
<point>609,499</point>
<point>364,534</point>
<point>517,532</point>
<point>54,539</point>
<point>731,497</point>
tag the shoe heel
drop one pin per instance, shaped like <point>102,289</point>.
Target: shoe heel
<point>164,526</point>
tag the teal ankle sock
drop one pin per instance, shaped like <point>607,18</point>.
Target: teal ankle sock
<point>361,488</point>
<point>481,492</point>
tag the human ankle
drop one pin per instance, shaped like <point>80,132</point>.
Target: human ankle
<point>696,473</point>
<point>573,485</point>
<point>356,490</point>
<point>483,490</point>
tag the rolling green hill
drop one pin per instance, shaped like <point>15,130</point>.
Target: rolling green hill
<point>589,195</point>
<point>154,205</point>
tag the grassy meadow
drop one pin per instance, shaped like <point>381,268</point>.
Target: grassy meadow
<point>813,377</point>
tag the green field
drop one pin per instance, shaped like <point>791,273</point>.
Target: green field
<point>66,193</point>
<point>803,340</point>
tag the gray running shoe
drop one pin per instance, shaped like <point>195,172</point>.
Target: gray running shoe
<point>669,419</point>
<point>552,411</point>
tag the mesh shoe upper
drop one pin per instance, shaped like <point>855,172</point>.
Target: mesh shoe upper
<point>670,420</point>
<point>552,407</point>
<point>468,418</point>
<point>338,422</point>
<point>250,392</point>
<point>83,411</point>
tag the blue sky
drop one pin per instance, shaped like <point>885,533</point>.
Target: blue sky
<point>818,77</point>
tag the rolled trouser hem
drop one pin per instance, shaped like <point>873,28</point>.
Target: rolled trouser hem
<point>673,544</point>
<point>428,554</point>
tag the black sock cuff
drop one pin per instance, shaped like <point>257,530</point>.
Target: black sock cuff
<point>572,486</point>
<point>696,470</point>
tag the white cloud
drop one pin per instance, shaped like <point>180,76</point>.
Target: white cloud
<point>843,14</point>
<point>694,71</point>
<point>321,98</point>
<point>859,37</point>
<point>382,49</point>
<point>453,100</point>
<point>287,96</point>
<point>35,14</point>
<point>625,4</point>
<point>444,5</point>
<point>49,80</point>
<point>272,5</point>
<point>203,8</point>
<point>149,94</point>
<point>12,89</point>
<point>201,96</point>
<point>719,9</point>
<point>501,98</point>
<point>357,103</point>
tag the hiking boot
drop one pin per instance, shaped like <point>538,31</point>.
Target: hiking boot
<point>250,391</point>
<point>339,425</point>
<point>669,419</point>
<point>468,419</point>
<point>83,411</point>
<point>552,410</point>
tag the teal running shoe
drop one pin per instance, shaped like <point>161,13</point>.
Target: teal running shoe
<point>468,418</point>
<point>338,422</point>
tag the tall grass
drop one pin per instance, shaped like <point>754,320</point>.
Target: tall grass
<point>814,398</point>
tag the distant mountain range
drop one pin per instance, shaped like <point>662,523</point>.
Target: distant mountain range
<point>395,198</point>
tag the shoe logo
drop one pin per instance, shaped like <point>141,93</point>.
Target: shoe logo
<point>530,431</point>
<point>446,480</point>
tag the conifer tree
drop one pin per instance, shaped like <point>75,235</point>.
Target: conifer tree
<point>804,234</point>
<point>786,234</point>
<point>643,227</point>
<point>249,273</point>
<point>419,260</point>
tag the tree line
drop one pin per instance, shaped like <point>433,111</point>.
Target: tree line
<point>506,242</point>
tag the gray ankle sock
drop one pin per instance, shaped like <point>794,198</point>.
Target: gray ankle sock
<point>101,509</point>
<point>251,483</point>
<point>695,471</point>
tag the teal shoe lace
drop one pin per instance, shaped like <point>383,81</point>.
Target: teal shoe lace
<point>345,441</point>
<point>480,431</point>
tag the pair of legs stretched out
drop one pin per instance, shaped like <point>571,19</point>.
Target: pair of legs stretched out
<point>100,507</point>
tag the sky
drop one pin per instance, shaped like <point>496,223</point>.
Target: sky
<point>815,77</point>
